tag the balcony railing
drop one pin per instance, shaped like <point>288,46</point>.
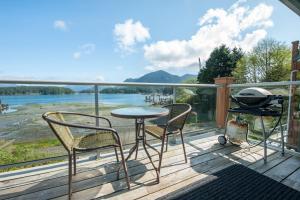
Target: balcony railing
<point>25,138</point>
<point>26,141</point>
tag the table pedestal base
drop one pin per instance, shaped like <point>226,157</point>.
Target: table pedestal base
<point>140,136</point>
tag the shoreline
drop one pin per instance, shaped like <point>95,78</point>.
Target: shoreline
<point>26,123</point>
<point>104,99</point>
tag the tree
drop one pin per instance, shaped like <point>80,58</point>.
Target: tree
<point>246,70</point>
<point>222,62</point>
<point>269,61</point>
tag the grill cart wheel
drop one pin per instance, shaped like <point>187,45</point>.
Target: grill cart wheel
<point>222,140</point>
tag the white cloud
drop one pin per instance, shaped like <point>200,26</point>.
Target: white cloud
<point>251,39</point>
<point>100,78</point>
<point>239,26</point>
<point>150,68</point>
<point>259,17</point>
<point>86,49</point>
<point>60,25</point>
<point>129,33</point>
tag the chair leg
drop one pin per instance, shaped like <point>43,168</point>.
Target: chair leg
<point>124,167</point>
<point>161,153</point>
<point>183,147</point>
<point>74,162</point>
<point>70,176</point>
<point>167,142</point>
<point>116,152</point>
<point>119,167</point>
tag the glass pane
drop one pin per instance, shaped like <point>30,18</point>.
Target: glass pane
<point>131,96</point>
<point>24,135</point>
<point>203,102</point>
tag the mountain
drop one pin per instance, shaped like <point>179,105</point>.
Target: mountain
<point>160,76</point>
<point>188,76</point>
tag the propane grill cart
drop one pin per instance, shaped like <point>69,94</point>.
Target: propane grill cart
<point>261,106</point>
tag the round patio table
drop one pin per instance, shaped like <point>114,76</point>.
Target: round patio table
<point>140,114</point>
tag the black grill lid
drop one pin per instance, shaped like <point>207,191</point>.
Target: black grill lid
<point>254,92</point>
<point>253,96</point>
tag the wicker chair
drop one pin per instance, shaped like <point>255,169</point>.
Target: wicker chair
<point>99,138</point>
<point>173,125</point>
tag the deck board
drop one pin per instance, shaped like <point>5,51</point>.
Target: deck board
<point>220,163</point>
<point>273,160</point>
<point>89,166</point>
<point>284,169</point>
<point>143,164</point>
<point>171,179</point>
<point>97,179</point>
<point>293,180</point>
<point>43,171</point>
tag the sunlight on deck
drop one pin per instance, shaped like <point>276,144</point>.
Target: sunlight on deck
<point>97,178</point>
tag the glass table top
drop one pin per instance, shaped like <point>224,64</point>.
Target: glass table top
<point>139,112</point>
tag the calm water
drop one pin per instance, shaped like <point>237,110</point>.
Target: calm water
<point>130,99</point>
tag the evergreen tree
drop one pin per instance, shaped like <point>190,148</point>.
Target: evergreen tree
<point>221,63</point>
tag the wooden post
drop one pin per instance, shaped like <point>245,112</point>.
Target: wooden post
<point>294,132</point>
<point>222,103</point>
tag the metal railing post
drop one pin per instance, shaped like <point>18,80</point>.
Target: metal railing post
<point>174,94</point>
<point>173,138</point>
<point>96,90</point>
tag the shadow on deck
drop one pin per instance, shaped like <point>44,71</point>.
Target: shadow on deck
<point>98,179</point>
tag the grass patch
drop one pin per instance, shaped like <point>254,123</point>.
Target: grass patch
<point>28,151</point>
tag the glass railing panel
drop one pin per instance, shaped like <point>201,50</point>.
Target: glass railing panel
<point>24,135</point>
<point>203,102</point>
<point>131,96</point>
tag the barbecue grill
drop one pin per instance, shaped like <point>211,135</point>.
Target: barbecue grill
<point>258,102</point>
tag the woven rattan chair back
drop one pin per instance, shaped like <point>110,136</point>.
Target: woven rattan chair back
<point>181,110</point>
<point>61,131</point>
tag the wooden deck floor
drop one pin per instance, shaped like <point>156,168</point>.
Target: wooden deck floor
<point>97,179</point>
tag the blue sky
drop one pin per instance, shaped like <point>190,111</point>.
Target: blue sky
<point>113,40</point>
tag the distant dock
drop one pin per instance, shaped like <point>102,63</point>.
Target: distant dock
<point>3,107</point>
<point>158,99</point>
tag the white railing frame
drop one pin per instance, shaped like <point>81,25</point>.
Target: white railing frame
<point>62,83</point>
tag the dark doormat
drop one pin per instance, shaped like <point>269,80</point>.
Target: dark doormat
<point>235,182</point>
